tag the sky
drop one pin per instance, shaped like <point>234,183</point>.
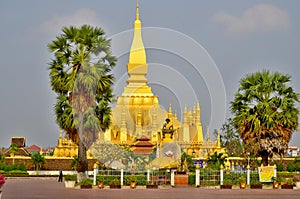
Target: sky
<point>196,51</point>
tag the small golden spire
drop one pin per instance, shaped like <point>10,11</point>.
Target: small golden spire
<point>170,113</point>
<point>137,10</point>
<point>207,134</point>
<point>219,139</point>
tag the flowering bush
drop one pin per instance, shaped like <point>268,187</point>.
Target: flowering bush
<point>2,180</point>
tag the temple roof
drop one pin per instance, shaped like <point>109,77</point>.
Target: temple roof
<point>34,148</point>
<point>19,141</point>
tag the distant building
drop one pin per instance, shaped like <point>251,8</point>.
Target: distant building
<point>34,149</point>
<point>20,142</point>
<point>293,151</point>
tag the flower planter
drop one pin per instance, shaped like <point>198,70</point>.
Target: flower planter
<point>100,185</point>
<point>276,185</point>
<point>85,186</point>
<point>115,186</point>
<point>243,185</point>
<point>297,185</point>
<point>70,184</point>
<point>132,185</point>
<point>287,186</point>
<point>151,186</point>
<point>256,186</point>
<point>226,186</point>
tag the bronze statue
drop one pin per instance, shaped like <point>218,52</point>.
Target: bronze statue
<point>168,128</point>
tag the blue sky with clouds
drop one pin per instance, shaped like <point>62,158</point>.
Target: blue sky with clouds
<point>196,50</point>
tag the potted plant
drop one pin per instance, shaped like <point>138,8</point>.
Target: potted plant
<point>133,181</point>
<point>276,182</point>
<point>151,185</point>
<point>115,184</point>
<point>297,181</point>
<point>86,184</point>
<point>227,182</point>
<point>242,181</point>
<point>288,184</point>
<point>256,184</point>
<point>70,181</point>
<point>100,181</point>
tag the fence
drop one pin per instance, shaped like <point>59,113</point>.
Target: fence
<point>207,177</point>
<point>202,177</point>
<point>140,177</point>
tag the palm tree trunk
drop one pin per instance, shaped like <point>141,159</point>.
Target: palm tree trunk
<point>82,159</point>
<point>264,158</point>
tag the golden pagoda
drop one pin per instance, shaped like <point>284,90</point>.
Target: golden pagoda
<point>137,112</point>
<point>66,147</point>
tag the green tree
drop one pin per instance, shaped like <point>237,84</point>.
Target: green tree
<point>231,139</point>
<point>81,76</point>
<point>74,162</point>
<point>38,161</point>
<point>186,161</point>
<point>216,160</point>
<point>265,113</point>
<point>13,151</point>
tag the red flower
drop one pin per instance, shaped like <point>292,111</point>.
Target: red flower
<point>2,179</point>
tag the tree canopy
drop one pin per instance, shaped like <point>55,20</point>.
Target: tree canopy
<point>81,76</point>
<point>265,113</point>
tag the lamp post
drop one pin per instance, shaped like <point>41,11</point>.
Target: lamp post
<point>248,169</point>
<point>248,155</point>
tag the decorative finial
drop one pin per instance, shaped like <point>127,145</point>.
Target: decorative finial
<point>219,139</point>
<point>137,10</point>
<point>207,134</point>
<point>170,113</point>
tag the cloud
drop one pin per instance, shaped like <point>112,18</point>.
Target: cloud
<point>259,18</point>
<point>80,17</point>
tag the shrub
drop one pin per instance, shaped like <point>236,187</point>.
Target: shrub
<point>297,166</point>
<point>22,166</point>
<point>290,167</point>
<point>7,168</point>
<point>106,179</point>
<point>242,178</point>
<point>227,179</point>
<point>279,166</point>
<point>115,181</point>
<point>192,178</point>
<point>86,182</point>
<point>71,177</point>
<point>18,172</point>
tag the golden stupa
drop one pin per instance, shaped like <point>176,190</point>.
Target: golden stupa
<point>138,113</point>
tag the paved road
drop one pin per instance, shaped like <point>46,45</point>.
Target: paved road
<point>49,188</point>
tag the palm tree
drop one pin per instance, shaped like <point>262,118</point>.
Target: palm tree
<point>80,75</point>
<point>216,159</point>
<point>265,113</point>
<point>38,161</point>
<point>14,149</point>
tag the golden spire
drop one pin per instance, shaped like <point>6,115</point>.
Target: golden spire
<point>219,139</point>
<point>137,11</point>
<point>170,113</point>
<point>137,51</point>
<point>207,134</point>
